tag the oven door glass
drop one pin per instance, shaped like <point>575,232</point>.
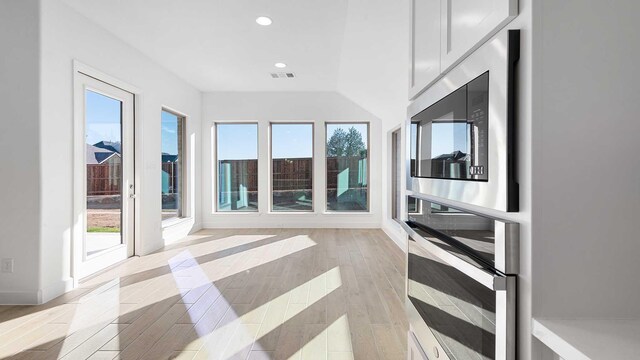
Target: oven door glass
<point>460,312</point>
<point>450,138</point>
<point>472,232</point>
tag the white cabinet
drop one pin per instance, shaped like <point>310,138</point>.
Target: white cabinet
<point>415,351</point>
<point>424,64</point>
<point>444,32</point>
<point>466,24</point>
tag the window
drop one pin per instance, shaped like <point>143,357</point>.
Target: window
<point>172,164</point>
<point>396,168</point>
<point>292,167</point>
<point>237,162</point>
<point>347,167</point>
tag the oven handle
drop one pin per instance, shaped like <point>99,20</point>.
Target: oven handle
<point>489,280</point>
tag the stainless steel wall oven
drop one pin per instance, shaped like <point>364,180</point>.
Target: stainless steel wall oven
<point>461,282</point>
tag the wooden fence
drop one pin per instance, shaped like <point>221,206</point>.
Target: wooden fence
<point>288,174</point>
<point>297,174</point>
<point>103,179</point>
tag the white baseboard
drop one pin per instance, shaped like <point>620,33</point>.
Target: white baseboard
<point>395,232</point>
<point>52,291</point>
<point>294,225</point>
<point>36,297</point>
<point>20,297</point>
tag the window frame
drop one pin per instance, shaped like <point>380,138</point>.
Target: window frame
<point>216,170</point>
<point>313,169</point>
<point>396,174</point>
<point>182,157</point>
<point>418,205</point>
<point>326,188</point>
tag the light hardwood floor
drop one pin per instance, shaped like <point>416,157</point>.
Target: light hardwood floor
<point>229,294</point>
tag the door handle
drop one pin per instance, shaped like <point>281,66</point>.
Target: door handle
<point>132,194</point>
<point>489,280</point>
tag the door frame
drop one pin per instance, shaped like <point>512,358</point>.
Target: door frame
<point>77,233</point>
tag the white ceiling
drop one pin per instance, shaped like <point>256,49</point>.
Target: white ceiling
<point>358,48</point>
<point>216,45</point>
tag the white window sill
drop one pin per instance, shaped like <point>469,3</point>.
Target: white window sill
<point>242,213</point>
<point>175,221</point>
<point>343,213</point>
<point>292,213</point>
<point>295,213</point>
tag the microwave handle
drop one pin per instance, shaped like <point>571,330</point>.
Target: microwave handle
<point>489,280</point>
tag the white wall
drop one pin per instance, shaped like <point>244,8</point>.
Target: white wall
<point>67,36</point>
<point>19,135</point>
<point>374,75</point>
<point>263,107</point>
<point>586,164</point>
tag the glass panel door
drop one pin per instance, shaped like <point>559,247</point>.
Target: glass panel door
<point>103,131</point>
<point>105,169</point>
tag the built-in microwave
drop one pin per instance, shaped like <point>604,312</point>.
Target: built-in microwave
<point>462,130</point>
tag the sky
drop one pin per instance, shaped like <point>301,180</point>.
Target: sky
<point>103,122</point>
<point>448,137</point>
<point>445,138</point>
<point>240,141</point>
<point>235,141</point>
<point>289,141</point>
<point>169,133</point>
<point>103,118</point>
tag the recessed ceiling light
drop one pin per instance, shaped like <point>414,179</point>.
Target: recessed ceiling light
<point>280,65</point>
<point>264,21</point>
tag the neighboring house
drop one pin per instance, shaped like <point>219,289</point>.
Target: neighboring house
<point>110,145</point>
<point>168,158</point>
<point>103,171</point>
<point>98,155</point>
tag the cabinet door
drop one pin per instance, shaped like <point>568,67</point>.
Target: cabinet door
<point>415,351</point>
<point>466,24</point>
<point>425,44</point>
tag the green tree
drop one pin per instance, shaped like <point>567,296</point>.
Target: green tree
<point>346,143</point>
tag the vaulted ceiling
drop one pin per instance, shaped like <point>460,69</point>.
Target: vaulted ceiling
<point>356,47</point>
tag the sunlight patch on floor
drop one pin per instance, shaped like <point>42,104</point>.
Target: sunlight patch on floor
<point>228,242</point>
<point>242,333</point>
<point>94,311</point>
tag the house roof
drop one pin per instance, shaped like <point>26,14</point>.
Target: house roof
<point>169,158</point>
<point>97,155</point>
<point>110,145</point>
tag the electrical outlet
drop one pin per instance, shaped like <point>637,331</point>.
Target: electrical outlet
<point>7,265</point>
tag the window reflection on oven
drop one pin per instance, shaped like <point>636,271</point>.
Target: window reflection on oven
<point>459,311</point>
<point>470,231</point>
